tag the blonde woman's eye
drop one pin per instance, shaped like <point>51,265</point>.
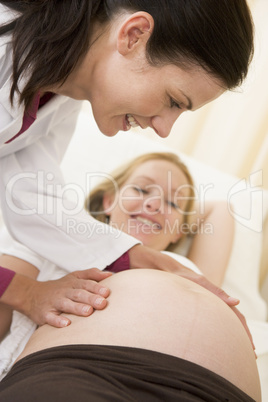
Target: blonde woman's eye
<point>140,190</point>
<point>173,205</point>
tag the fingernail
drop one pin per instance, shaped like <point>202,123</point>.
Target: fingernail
<point>86,309</point>
<point>99,300</point>
<point>103,291</point>
<point>64,323</point>
<point>233,300</point>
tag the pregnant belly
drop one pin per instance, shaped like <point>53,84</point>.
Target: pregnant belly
<point>166,313</point>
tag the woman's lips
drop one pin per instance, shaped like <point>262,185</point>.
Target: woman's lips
<point>130,122</point>
<point>126,125</point>
<point>144,220</point>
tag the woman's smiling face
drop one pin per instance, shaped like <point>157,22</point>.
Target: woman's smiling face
<point>125,90</point>
<point>150,205</point>
<point>148,97</point>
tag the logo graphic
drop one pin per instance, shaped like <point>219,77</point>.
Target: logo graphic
<point>249,195</point>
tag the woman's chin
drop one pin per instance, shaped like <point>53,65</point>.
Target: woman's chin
<point>108,132</point>
<point>149,241</point>
<point>106,129</point>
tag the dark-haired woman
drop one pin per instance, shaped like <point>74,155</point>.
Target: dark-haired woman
<point>139,62</point>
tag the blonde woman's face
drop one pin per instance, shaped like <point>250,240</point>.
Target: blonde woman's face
<point>150,206</point>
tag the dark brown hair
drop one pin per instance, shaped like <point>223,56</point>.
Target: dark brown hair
<point>51,36</point>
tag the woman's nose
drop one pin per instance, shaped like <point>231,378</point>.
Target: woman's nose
<point>153,205</point>
<point>163,123</point>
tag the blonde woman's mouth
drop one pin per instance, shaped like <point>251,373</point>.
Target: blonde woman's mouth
<point>147,222</point>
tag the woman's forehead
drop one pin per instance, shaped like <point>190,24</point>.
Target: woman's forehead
<point>157,170</point>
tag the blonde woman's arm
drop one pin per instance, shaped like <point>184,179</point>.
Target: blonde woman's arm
<point>212,239</point>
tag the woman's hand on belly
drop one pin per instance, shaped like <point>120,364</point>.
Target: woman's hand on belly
<point>76,293</point>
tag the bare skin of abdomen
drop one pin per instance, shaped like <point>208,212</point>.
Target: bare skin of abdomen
<point>163,312</point>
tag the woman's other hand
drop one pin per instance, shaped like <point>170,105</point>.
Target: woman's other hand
<point>77,293</point>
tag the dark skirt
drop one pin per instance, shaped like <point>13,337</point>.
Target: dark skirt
<point>95,373</point>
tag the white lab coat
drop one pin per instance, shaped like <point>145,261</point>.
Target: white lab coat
<point>31,183</point>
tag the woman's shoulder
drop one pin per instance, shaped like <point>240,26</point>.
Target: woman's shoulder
<point>5,46</point>
<point>5,59</point>
<point>6,14</point>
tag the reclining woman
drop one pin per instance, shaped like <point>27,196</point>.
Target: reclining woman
<point>161,337</point>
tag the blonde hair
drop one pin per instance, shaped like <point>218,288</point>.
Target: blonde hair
<point>94,201</point>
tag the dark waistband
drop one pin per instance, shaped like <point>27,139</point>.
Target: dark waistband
<point>130,365</point>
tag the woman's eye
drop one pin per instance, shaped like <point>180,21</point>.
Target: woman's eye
<point>174,104</point>
<point>173,205</point>
<point>140,190</point>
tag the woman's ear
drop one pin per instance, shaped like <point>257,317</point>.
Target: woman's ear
<point>107,203</point>
<point>134,32</point>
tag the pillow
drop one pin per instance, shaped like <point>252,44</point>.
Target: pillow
<point>99,154</point>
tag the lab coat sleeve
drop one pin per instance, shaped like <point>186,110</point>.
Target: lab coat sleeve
<point>38,213</point>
